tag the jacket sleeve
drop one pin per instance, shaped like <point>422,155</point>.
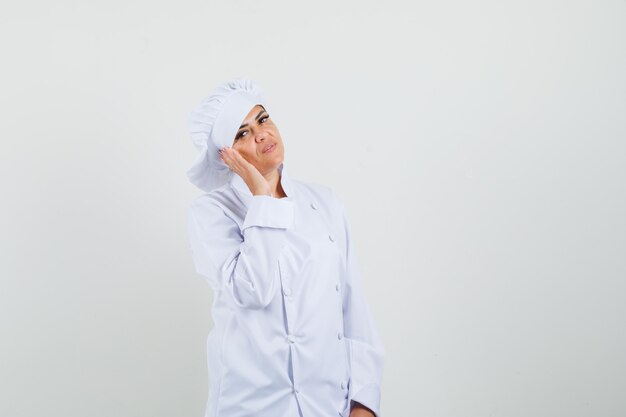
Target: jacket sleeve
<point>241,261</point>
<point>366,348</point>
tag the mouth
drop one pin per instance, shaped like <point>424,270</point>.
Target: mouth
<point>269,148</point>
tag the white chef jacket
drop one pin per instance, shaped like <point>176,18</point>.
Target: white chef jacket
<point>293,335</point>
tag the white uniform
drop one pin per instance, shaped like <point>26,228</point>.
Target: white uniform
<point>293,335</point>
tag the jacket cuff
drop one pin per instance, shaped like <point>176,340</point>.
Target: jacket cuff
<point>266,211</point>
<point>369,396</point>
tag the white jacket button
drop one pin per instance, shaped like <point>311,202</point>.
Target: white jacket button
<point>343,384</point>
<point>332,239</point>
<point>339,335</point>
<point>291,338</point>
<point>287,291</point>
<point>337,287</point>
<point>313,206</point>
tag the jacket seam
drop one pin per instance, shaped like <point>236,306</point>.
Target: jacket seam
<point>222,364</point>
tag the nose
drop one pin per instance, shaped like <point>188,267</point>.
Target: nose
<point>260,137</point>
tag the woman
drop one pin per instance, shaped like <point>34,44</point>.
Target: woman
<point>293,335</point>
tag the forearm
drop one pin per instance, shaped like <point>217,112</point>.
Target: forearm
<point>243,260</point>
<point>253,278</point>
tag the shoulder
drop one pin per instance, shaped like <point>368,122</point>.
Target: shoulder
<point>218,200</point>
<point>221,207</point>
<point>204,201</point>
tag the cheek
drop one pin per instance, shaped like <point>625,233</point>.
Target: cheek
<point>247,152</point>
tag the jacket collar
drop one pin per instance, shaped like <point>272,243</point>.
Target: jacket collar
<point>240,186</point>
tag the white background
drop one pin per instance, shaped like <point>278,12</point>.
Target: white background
<point>479,148</point>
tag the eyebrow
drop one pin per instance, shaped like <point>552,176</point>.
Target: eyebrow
<point>256,118</point>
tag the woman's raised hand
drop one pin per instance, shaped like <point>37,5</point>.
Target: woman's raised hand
<point>256,182</point>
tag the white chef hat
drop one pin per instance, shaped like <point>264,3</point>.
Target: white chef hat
<point>213,125</point>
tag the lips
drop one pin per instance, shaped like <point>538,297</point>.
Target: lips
<point>269,147</point>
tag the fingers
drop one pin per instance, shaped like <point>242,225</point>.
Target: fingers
<point>224,156</point>
<point>246,170</point>
<point>233,159</point>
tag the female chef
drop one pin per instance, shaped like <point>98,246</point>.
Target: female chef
<point>293,334</point>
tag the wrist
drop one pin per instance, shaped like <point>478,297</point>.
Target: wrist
<point>359,410</point>
<point>267,193</point>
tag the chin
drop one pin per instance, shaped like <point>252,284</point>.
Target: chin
<point>276,164</point>
<point>276,159</point>
<point>270,165</point>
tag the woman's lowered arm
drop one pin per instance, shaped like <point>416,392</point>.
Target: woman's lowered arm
<point>367,351</point>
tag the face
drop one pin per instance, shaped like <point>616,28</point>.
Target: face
<point>256,133</point>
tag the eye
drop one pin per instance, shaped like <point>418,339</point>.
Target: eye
<point>261,120</point>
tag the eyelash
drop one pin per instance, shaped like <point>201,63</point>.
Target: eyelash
<point>242,132</point>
